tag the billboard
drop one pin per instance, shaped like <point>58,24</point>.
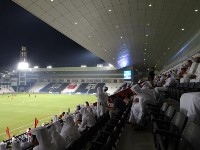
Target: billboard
<point>127,75</point>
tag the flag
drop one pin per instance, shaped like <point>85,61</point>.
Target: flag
<point>36,122</point>
<point>8,132</point>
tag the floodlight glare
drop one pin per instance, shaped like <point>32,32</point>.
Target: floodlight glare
<point>22,65</point>
<point>36,67</point>
<point>49,66</point>
<point>111,65</point>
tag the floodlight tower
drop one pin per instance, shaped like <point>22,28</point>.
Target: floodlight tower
<point>23,54</point>
<point>22,68</point>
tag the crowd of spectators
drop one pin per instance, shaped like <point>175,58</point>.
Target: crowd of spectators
<point>63,130</point>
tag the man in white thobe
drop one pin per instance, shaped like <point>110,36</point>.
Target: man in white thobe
<point>101,104</point>
<point>69,130</point>
<point>3,146</point>
<point>138,108</point>
<point>88,119</point>
<point>43,138</point>
<point>169,81</point>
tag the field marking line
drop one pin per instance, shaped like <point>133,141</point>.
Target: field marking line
<point>30,124</point>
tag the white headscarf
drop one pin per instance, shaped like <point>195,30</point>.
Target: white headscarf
<point>55,118</point>
<point>56,138</point>
<point>100,95</point>
<point>88,118</point>
<point>94,110</point>
<point>69,131</point>
<point>147,94</point>
<point>3,146</point>
<point>16,145</point>
<point>58,126</point>
<point>43,138</point>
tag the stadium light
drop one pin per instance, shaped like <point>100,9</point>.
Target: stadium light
<point>83,66</point>
<point>36,67</point>
<point>49,67</point>
<point>22,66</point>
<point>110,65</point>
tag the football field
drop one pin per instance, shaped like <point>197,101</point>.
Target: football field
<point>18,112</point>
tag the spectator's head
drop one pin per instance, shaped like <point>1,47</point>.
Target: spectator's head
<point>197,59</point>
<point>87,104</point>
<point>152,68</point>
<point>105,88</point>
<point>189,62</point>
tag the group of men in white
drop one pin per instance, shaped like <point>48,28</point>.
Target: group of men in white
<point>57,137</point>
<point>148,93</point>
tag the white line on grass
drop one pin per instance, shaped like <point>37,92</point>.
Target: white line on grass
<point>30,124</point>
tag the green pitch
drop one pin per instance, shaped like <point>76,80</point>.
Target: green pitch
<point>18,112</point>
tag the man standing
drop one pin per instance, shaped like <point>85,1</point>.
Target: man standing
<point>151,75</point>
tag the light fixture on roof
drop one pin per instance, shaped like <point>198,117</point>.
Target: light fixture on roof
<point>110,65</point>
<point>121,37</point>
<point>164,53</point>
<point>196,10</point>
<point>52,0</point>
<point>22,65</point>
<point>145,49</point>
<point>147,35</point>
<point>83,65</point>
<point>148,24</point>
<point>105,50</point>
<point>117,26</point>
<point>36,67</point>
<point>144,59</point>
<point>75,23</point>
<point>150,5</point>
<point>109,10</point>
<point>168,48</point>
<point>49,67</point>
<point>148,69</point>
<point>89,36</point>
<point>113,58</point>
<point>182,29</point>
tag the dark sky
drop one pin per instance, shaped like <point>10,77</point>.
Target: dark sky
<point>45,45</point>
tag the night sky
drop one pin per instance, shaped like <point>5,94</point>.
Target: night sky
<point>45,45</point>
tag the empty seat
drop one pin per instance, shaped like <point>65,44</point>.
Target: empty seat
<point>174,128</point>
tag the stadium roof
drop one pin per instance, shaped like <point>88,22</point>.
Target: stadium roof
<point>125,32</point>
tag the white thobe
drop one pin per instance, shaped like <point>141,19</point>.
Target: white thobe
<point>69,131</point>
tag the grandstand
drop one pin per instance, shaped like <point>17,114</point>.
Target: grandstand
<point>154,41</point>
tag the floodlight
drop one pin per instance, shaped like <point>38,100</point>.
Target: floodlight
<point>111,65</point>
<point>49,67</point>
<point>36,67</point>
<point>83,66</point>
<point>22,66</point>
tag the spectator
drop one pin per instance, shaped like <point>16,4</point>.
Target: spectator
<point>151,75</point>
<point>101,104</point>
<point>88,119</point>
<point>43,138</point>
<point>55,118</point>
<point>69,131</point>
<point>28,132</point>
<point>3,146</point>
<point>119,104</point>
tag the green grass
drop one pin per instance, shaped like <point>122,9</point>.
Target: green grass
<point>18,113</point>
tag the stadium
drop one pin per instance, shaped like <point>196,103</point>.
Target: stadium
<point>146,95</point>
